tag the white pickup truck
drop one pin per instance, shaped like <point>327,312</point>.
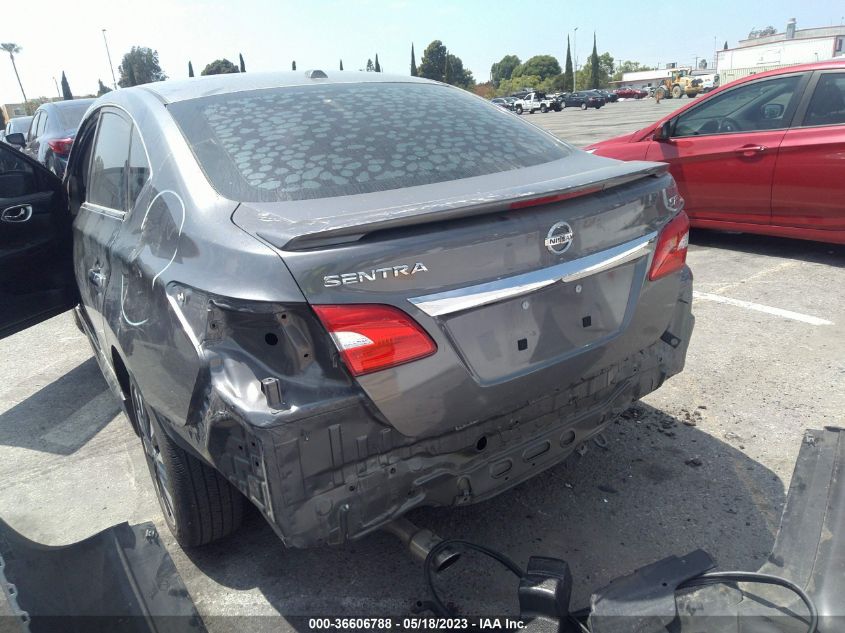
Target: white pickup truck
<point>534,101</point>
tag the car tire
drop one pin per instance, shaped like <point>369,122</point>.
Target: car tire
<point>198,503</point>
<point>518,109</point>
<point>543,108</point>
<point>583,106</point>
<point>677,93</point>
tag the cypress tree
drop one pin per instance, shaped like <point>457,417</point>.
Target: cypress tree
<point>568,74</point>
<point>594,66</point>
<point>341,64</point>
<point>413,62</point>
<point>67,95</point>
<point>190,69</point>
<point>293,65</point>
<point>378,67</point>
<point>243,66</point>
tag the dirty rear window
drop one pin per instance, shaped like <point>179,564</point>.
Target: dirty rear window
<point>340,139</point>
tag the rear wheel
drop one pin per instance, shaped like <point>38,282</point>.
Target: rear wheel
<point>677,92</point>
<point>583,106</point>
<point>199,504</point>
<point>543,108</point>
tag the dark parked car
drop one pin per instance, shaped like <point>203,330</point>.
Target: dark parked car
<point>503,103</point>
<point>51,132</point>
<point>582,99</point>
<point>763,154</point>
<point>16,125</point>
<point>386,294</point>
<point>609,96</point>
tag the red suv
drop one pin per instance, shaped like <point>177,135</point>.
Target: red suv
<point>763,154</point>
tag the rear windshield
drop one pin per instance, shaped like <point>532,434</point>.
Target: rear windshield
<point>340,139</point>
<point>71,114</point>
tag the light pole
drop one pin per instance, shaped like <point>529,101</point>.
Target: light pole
<point>575,55</point>
<point>108,54</point>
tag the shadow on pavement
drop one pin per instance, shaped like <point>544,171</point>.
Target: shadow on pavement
<point>804,250</point>
<point>62,416</point>
<point>662,486</point>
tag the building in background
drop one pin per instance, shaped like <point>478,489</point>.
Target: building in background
<point>648,78</point>
<point>794,46</point>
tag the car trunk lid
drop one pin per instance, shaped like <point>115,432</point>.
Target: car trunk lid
<point>526,280</point>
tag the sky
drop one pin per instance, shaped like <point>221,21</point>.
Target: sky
<point>67,36</point>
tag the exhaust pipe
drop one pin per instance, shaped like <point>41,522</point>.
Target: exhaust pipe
<point>420,541</point>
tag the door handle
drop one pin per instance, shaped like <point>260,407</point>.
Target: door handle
<point>96,278</point>
<point>751,150</point>
<point>18,213</point>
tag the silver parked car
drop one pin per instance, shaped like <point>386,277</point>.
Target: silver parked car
<point>346,295</point>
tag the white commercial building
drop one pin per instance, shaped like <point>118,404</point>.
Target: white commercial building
<point>645,78</point>
<point>794,46</point>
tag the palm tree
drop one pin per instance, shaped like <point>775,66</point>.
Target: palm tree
<point>13,48</point>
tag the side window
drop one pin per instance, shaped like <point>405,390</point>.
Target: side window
<point>106,184</point>
<point>761,105</point>
<point>32,127</point>
<point>42,124</point>
<point>79,167</point>
<point>139,167</point>
<point>827,107</point>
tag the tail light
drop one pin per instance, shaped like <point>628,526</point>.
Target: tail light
<point>373,337</point>
<point>671,252</point>
<point>60,145</point>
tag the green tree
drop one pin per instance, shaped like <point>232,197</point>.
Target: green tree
<point>190,69</point>
<point>595,79</point>
<point>541,65</point>
<point>503,69</point>
<point>568,75</point>
<point>605,71</point>
<point>370,66</point>
<point>67,95</point>
<point>377,66</point>
<point>509,86</point>
<point>413,62</point>
<point>242,65</point>
<point>440,65</point>
<point>341,64</point>
<point>140,66</point>
<point>293,65</point>
<point>13,49</point>
<point>102,88</point>
<point>219,67</point>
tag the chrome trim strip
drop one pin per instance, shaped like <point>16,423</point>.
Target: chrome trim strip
<point>452,301</point>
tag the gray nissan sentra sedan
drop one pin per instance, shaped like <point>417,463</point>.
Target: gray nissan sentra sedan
<point>346,296</point>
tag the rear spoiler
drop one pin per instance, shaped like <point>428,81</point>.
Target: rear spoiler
<point>276,223</point>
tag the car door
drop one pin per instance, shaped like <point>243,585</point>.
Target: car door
<point>36,280</point>
<point>32,135</point>
<point>809,184</point>
<point>722,152</point>
<point>97,185</point>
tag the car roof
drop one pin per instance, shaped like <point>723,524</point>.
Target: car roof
<point>65,103</point>
<point>832,63</point>
<point>172,91</point>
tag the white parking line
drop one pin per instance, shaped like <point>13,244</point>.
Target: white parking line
<point>786,314</point>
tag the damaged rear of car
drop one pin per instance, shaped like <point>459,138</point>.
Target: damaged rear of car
<point>346,311</point>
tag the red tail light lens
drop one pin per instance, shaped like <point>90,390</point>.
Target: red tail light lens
<point>60,145</point>
<point>374,337</point>
<point>671,252</point>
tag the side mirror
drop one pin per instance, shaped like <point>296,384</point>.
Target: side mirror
<point>664,132</point>
<point>16,138</point>
<point>771,111</point>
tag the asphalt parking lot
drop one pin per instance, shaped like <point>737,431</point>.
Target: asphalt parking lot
<point>704,462</point>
